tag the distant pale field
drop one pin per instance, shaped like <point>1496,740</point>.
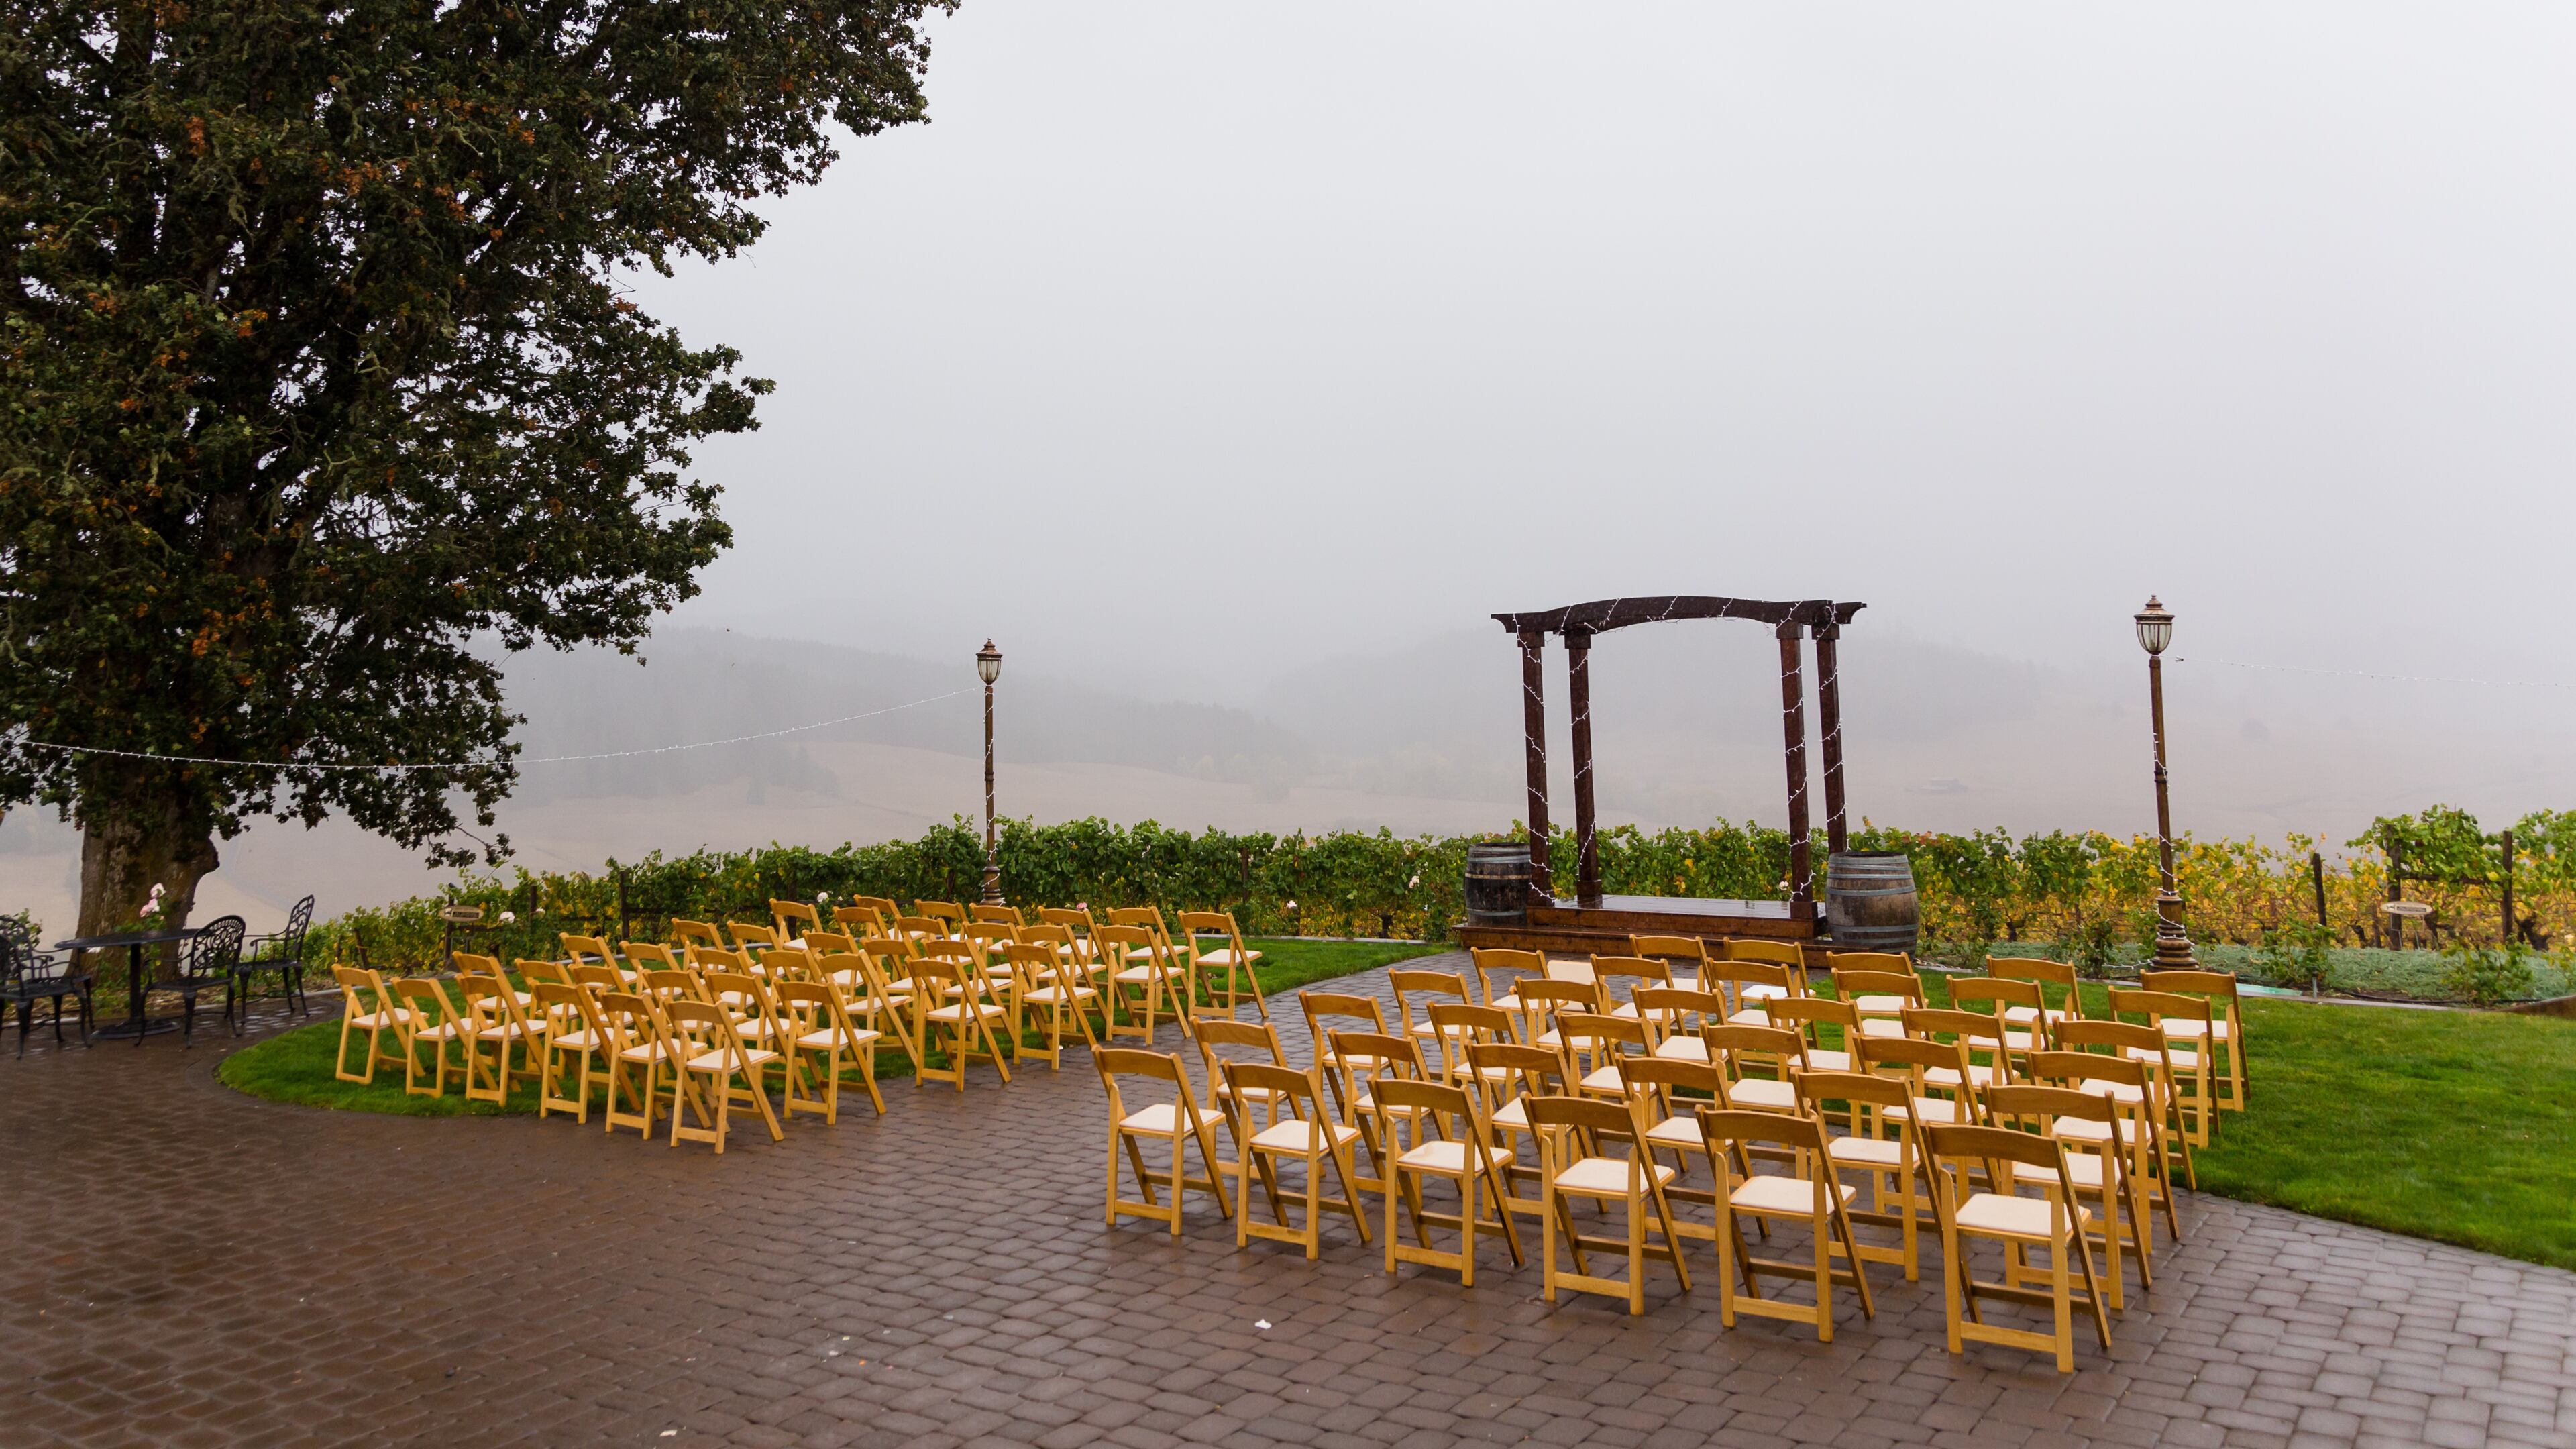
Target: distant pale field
<point>887,792</point>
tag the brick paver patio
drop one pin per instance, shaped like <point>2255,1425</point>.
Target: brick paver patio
<point>192,1267</point>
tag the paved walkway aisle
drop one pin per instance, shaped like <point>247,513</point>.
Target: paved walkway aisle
<point>189,1267</point>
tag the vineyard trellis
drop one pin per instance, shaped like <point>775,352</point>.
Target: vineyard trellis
<point>1983,886</point>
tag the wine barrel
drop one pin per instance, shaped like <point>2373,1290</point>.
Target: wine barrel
<point>1870,903</point>
<point>1498,881</point>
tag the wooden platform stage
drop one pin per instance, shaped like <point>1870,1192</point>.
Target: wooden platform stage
<point>1566,928</point>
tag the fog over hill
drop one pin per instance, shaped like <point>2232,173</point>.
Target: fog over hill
<point>1420,738</point>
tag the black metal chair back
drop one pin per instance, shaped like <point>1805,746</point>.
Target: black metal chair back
<point>212,956</point>
<point>29,975</point>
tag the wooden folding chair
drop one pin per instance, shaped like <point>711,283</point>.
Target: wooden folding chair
<point>685,933</point>
<point>818,1026</point>
<point>788,918</point>
<point>921,930</point>
<point>1742,1050</point>
<point>828,943</point>
<point>2019,1006</point>
<point>1974,1031</point>
<point>1788,956</point>
<point>1076,923</point>
<point>496,1019</point>
<point>1205,966</point>
<point>746,999</point>
<point>990,934</point>
<point>884,906</point>
<point>1049,986</point>
<point>2043,973</point>
<point>1461,1024</point>
<point>1175,1123</point>
<point>1464,1157</point>
<point>1000,982</point>
<point>1544,999</point>
<point>1140,986</point>
<point>2145,1047</point>
<point>642,1044</point>
<point>713,1070</point>
<point>1260,1037</point>
<point>876,988</point>
<point>1636,973</point>
<point>1826,1025</point>
<point>1656,1085</point>
<point>2096,1166</point>
<point>1683,956</point>
<point>1498,969</point>
<point>1916,1061</point>
<point>949,996</point>
<point>1879,998</point>
<point>596,979</point>
<point>1749,984</point>
<point>1884,1147</point>
<point>582,951</point>
<point>2133,1132</point>
<point>950,915</point>
<point>2226,1024</point>
<point>573,1035</point>
<point>1594,1044</point>
<point>1678,1018</point>
<point>1415,992</point>
<point>1508,1074</point>
<point>2054,1223</point>
<point>1363,1059</point>
<point>1323,1008</point>
<point>2190,1051</point>
<point>1309,1137</point>
<point>366,1006</point>
<point>643,956</point>
<point>431,1020</point>
<point>1636,1182</point>
<point>995,915</point>
<point>1813,1194</point>
<point>861,919</point>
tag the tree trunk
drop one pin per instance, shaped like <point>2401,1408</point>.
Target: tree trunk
<point>142,843</point>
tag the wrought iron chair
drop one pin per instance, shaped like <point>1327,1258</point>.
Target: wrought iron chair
<point>28,976</point>
<point>283,954</point>
<point>209,965</point>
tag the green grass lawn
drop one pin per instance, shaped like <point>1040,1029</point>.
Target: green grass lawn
<point>2459,1126</point>
<point>2452,1125</point>
<point>296,1066</point>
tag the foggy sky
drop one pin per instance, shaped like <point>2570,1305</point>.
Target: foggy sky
<point>1192,343</point>
<point>1253,356</point>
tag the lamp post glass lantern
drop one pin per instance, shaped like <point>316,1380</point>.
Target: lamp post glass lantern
<point>2173,944</point>
<point>988,667</point>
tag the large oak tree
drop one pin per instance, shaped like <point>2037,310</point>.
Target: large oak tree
<point>315,370</point>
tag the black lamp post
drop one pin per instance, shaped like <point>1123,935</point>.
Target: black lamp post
<point>988,664</point>
<point>2173,946</point>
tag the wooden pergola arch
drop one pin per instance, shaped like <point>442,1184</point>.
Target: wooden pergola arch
<point>1821,619</point>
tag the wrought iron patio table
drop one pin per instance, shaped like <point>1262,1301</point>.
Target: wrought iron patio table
<point>135,1023</point>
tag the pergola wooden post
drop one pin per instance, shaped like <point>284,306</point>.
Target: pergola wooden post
<point>1829,733</point>
<point>1793,735</point>
<point>1578,690</point>
<point>1821,618</point>
<point>1534,738</point>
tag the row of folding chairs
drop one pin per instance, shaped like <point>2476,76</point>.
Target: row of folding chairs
<point>1943,1146</point>
<point>1148,969</point>
<point>2198,1013</point>
<point>947,988</point>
